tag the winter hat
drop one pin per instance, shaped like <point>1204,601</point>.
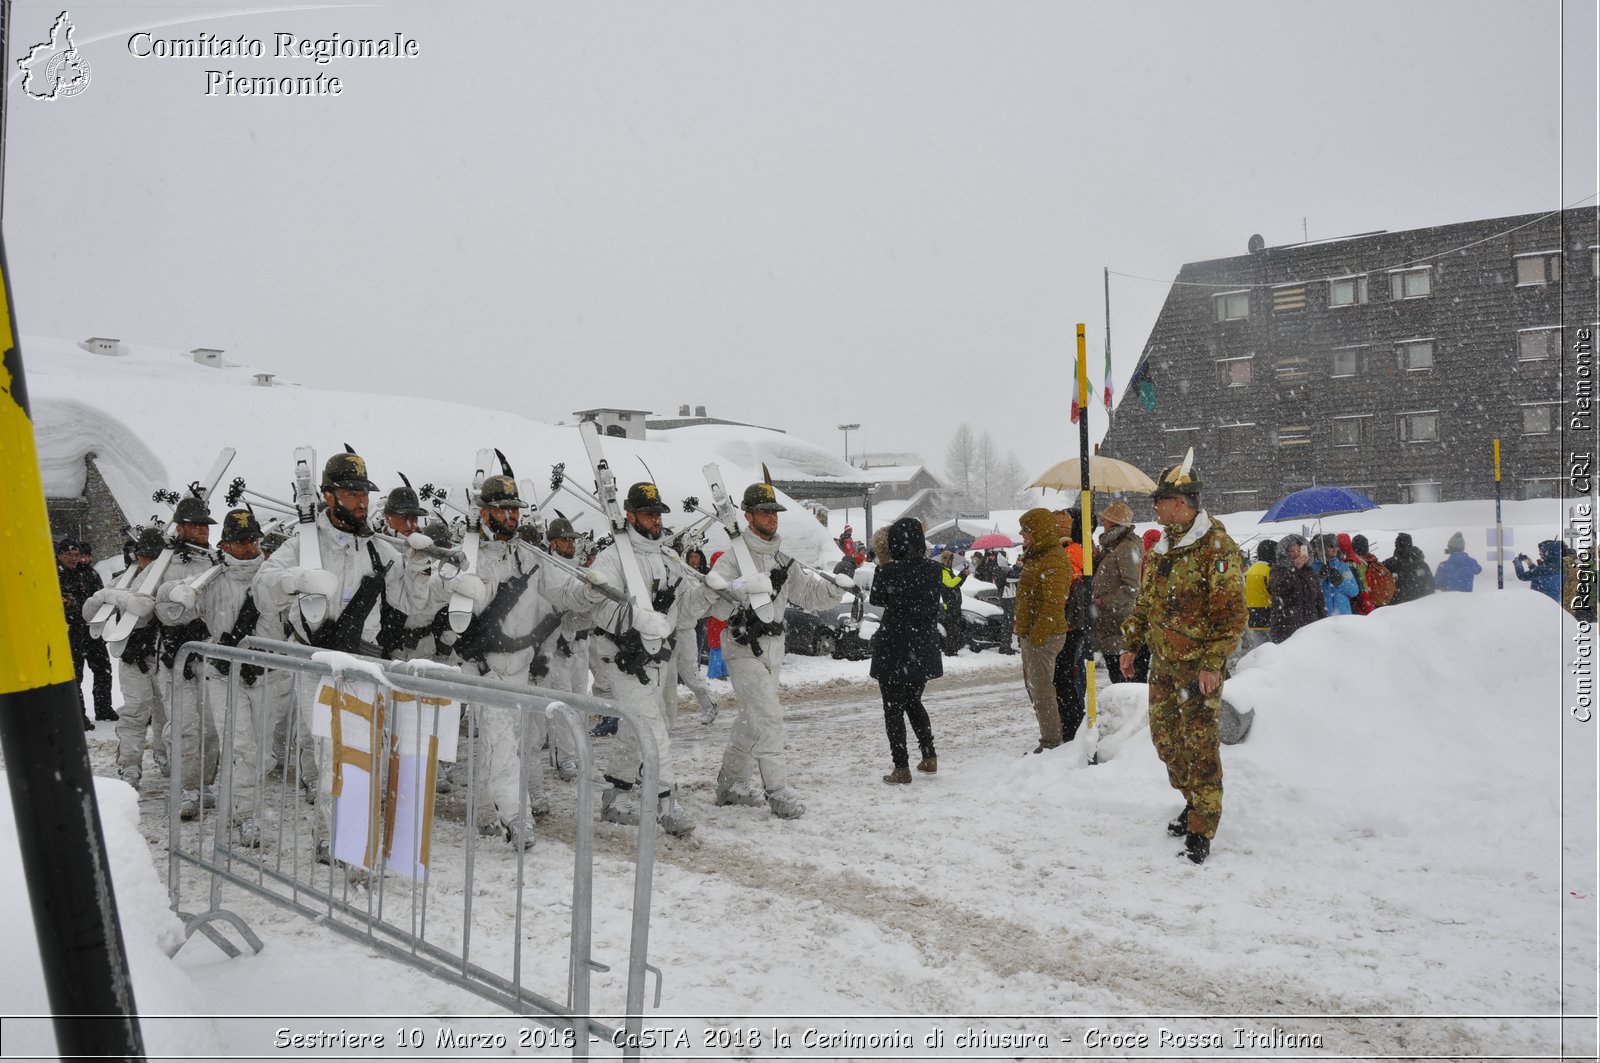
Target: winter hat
<point>1040,524</point>
<point>905,539</point>
<point>1151,537</point>
<point>1360,544</point>
<point>1402,541</point>
<point>1286,542</point>
<point>1118,513</point>
<point>1346,547</point>
<point>1456,545</point>
<point>1267,550</point>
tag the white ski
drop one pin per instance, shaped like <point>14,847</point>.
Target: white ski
<point>728,517</point>
<point>606,491</point>
<point>115,626</point>
<point>313,607</point>
<point>460,604</point>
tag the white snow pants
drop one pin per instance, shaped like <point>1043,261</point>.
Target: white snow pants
<point>142,699</point>
<point>253,717</point>
<point>197,734</point>
<point>643,701</point>
<point>758,738</point>
<point>504,735</point>
<point>687,660</point>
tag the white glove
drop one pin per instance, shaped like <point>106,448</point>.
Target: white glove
<point>316,581</point>
<point>471,585</point>
<point>594,577</point>
<point>139,605</point>
<point>760,583</point>
<point>419,541</point>
<point>843,582</point>
<point>651,624</point>
<point>716,580</point>
<point>182,594</point>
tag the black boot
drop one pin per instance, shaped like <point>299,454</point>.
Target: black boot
<point>1180,826</point>
<point>1196,847</point>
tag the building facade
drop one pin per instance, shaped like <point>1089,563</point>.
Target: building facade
<point>1387,362</point>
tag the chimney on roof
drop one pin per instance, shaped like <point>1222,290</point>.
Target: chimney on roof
<point>699,411</point>
<point>210,357</point>
<point>683,410</point>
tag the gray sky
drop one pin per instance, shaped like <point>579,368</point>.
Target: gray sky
<point>797,214</point>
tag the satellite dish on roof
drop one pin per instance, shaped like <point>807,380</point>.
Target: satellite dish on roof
<point>1256,244</point>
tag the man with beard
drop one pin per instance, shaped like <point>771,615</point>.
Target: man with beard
<point>1190,612</point>
<point>633,650</point>
<point>753,650</point>
<point>357,574</point>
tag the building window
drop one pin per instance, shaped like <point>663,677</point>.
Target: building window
<point>1238,501</point>
<point>1538,344</point>
<point>1235,371</point>
<point>1178,441</point>
<point>1294,435</point>
<point>1232,306</point>
<point>1350,431</point>
<point>1421,427</point>
<point>1410,283</point>
<point>1349,361</point>
<point>1538,418</point>
<point>1541,268</point>
<point>1414,355</point>
<point>1347,291</point>
<point>1422,491</point>
<point>1236,440</point>
<point>1540,486</point>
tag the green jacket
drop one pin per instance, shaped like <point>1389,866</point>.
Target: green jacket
<point>1191,607</point>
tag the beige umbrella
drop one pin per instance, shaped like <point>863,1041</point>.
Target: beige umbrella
<point>1105,474</point>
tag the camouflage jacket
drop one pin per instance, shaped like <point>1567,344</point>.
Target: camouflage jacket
<point>1191,606</point>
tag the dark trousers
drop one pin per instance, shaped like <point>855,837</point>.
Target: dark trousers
<point>901,700</point>
<point>88,650</point>
<point>1071,678</point>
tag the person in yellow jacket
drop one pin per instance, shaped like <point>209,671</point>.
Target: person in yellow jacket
<point>1257,600</point>
<point>1041,621</point>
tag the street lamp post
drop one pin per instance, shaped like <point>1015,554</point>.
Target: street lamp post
<point>847,429</point>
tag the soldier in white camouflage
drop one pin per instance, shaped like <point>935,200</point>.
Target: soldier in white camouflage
<point>1190,613</point>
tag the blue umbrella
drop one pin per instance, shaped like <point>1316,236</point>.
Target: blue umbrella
<point>1314,502</point>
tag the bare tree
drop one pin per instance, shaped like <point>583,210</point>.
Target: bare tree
<point>1010,481</point>
<point>961,466</point>
<point>986,473</point>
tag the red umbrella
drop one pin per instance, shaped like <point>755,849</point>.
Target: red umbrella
<point>992,541</point>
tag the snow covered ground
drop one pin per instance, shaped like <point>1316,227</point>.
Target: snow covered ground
<point>1405,868</point>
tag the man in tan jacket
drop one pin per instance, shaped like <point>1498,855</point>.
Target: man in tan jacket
<point>1041,621</point>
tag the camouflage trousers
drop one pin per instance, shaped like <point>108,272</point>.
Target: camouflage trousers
<point>1183,726</point>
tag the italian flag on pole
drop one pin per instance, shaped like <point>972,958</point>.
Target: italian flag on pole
<point>1108,380</point>
<point>1077,411</point>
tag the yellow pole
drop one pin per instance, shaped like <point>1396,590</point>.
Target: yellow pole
<point>1086,503</point>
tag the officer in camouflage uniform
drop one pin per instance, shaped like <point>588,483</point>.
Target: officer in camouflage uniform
<point>1190,613</point>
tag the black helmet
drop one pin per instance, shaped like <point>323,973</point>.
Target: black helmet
<point>240,526</point>
<point>500,492</point>
<point>761,498</point>
<point>150,543</point>
<point>192,510</point>
<point>346,472</point>
<point>402,501</point>
<point>560,528</point>
<point>644,498</point>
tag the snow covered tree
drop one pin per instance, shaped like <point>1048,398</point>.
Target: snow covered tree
<point>1009,482</point>
<point>961,466</point>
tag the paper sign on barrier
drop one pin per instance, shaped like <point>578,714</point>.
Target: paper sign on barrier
<point>389,824</point>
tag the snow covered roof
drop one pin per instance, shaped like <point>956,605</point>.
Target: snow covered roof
<point>787,457</point>
<point>899,473</point>
<point>154,419</point>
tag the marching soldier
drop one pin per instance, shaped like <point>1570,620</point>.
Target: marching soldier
<point>1190,613</point>
<point>753,649</point>
<point>144,711</point>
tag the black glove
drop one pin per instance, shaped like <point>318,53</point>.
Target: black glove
<point>779,576</point>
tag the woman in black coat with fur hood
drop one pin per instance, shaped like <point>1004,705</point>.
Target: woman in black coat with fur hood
<point>905,651</point>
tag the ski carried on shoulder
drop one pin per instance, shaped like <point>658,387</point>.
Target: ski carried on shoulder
<point>313,607</point>
<point>728,516</point>
<point>115,626</point>
<point>461,604</point>
<point>606,492</point>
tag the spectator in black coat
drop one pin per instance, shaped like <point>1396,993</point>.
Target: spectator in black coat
<point>1296,593</point>
<point>79,582</point>
<point>906,651</point>
<point>1413,578</point>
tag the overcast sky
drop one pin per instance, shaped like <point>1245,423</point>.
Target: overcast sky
<point>796,214</point>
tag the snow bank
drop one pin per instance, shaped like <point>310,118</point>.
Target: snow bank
<point>149,930</point>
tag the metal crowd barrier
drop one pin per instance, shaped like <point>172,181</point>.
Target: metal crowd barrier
<point>388,907</point>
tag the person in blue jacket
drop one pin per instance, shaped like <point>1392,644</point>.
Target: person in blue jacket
<point>1458,569</point>
<point>1339,586</point>
<point>1546,575</point>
